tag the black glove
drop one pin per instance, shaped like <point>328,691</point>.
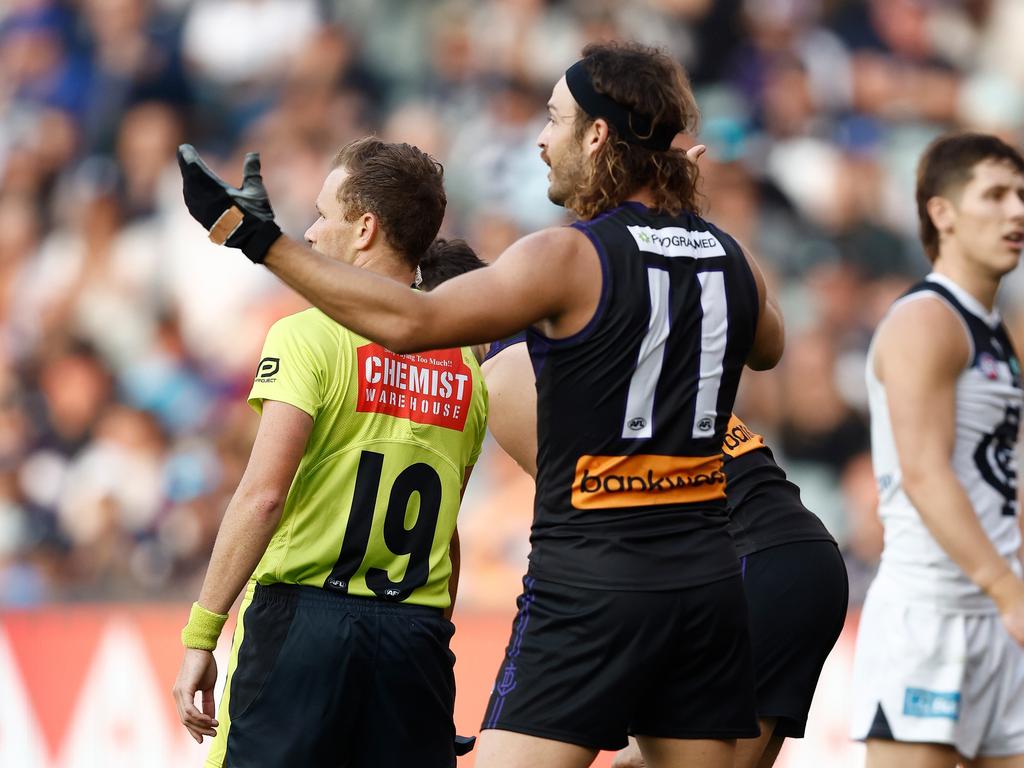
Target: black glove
<point>239,218</point>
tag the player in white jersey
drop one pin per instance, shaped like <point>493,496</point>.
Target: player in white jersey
<point>939,669</point>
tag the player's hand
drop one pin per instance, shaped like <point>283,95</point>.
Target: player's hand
<point>629,757</point>
<point>1008,594</point>
<point>198,673</point>
<point>236,217</point>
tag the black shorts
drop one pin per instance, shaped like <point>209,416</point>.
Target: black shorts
<point>588,667</point>
<point>328,680</point>
<point>797,595</point>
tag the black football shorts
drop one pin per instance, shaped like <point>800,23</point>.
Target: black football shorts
<point>328,680</point>
<point>588,667</point>
<point>797,595</point>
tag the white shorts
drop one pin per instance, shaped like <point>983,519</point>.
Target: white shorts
<point>943,678</point>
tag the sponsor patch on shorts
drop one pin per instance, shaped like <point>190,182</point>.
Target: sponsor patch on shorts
<point>918,702</point>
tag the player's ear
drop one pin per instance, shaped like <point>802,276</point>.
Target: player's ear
<point>367,229</point>
<point>942,213</point>
<point>596,136</point>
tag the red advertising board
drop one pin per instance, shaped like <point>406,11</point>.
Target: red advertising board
<point>90,686</point>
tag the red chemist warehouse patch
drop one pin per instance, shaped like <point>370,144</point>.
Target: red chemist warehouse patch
<point>428,388</point>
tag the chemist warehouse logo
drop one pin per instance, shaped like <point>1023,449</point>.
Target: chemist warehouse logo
<point>429,388</point>
<point>645,481</point>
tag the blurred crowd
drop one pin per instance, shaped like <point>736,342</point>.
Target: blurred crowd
<point>128,342</point>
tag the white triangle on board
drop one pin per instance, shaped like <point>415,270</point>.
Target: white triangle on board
<point>118,720</point>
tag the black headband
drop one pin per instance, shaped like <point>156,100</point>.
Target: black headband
<point>631,126</point>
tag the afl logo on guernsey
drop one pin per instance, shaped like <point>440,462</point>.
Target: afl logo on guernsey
<point>427,388</point>
<point>638,423</point>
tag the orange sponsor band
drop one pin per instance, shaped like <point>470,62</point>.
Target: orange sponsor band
<point>740,439</point>
<point>604,482</point>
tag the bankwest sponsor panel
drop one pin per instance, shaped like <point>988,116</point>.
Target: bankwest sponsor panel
<point>644,480</point>
<point>90,686</point>
<point>428,388</point>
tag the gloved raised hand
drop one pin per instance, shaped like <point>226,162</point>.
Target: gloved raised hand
<point>239,218</point>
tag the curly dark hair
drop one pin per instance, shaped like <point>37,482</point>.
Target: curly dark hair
<point>646,81</point>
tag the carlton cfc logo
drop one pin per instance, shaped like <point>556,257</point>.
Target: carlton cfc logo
<point>988,366</point>
<point>995,458</point>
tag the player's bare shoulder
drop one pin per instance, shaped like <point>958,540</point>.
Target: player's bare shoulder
<point>563,271</point>
<point>921,330</point>
<point>553,248</point>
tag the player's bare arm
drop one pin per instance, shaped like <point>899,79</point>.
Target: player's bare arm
<point>249,522</point>
<point>255,509</point>
<point>552,277</point>
<point>920,352</point>
<point>512,417</point>
<point>770,338</point>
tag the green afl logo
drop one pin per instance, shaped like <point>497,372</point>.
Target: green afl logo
<point>269,366</point>
<point>1015,366</point>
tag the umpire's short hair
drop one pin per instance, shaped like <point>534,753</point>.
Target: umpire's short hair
<point>399,184</point>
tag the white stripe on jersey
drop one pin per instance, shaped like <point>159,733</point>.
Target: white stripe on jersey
<point>639,420</point>
<point>714,332</point>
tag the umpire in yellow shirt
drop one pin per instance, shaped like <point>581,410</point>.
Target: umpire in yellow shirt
<point>343,524</point>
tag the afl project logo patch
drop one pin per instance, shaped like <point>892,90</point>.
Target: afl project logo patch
<point>266,372</point>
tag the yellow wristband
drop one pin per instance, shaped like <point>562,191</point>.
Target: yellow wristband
<point>203,628</point>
